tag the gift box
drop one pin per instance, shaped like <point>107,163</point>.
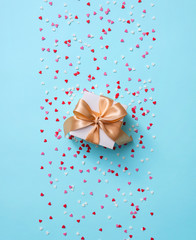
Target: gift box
<point>98,119</point>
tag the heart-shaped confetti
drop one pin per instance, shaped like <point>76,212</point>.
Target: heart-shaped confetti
<point>102,50</point>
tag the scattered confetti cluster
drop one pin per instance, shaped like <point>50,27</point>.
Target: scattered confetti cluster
<point>90,192</point>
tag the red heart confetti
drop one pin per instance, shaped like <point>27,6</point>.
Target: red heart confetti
<point>81,166</point>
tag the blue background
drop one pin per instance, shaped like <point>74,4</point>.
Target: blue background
<point>173,163</point>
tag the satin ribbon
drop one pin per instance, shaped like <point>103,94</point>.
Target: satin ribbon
<point>108,119</point>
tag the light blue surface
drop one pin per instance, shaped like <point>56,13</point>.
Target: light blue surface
<point>172,163</point>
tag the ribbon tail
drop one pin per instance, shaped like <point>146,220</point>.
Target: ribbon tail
<point>93,135</point>
<point>123,138</point>
<point>114,131</point>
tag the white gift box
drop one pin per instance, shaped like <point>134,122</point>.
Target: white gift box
<point>93,101</point>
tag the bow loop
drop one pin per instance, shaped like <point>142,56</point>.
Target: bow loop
<point>83,111</point>
<point>114,113</point>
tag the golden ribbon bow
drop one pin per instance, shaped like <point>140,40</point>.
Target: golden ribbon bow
<point>108,119</point>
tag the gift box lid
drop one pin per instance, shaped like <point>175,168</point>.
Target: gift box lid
<point>93,101</point>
